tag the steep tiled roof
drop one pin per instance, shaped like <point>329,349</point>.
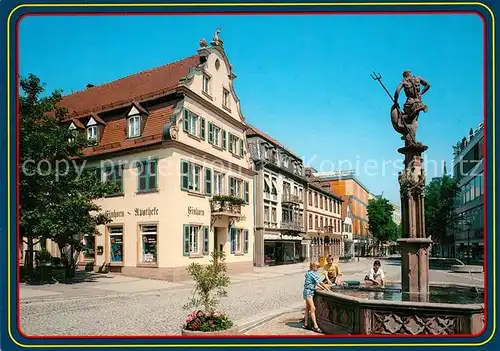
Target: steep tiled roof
<point>133,87</point>
<point>114,135</point>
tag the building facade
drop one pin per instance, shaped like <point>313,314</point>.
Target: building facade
<point>347,235</point>
<point>348,186</point>
<point>279,201</point>
<point>468,236</point>
<point>324,219</point>
<point>173,140</point>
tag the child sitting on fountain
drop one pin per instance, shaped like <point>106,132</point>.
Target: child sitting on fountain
<point>332,273</point>
<point>376,275</point>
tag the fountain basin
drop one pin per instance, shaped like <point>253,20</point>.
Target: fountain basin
<point>466,269</point>
<point>358,311</point>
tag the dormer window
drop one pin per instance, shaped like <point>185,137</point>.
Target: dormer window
<point>134,126</point>
<point>92,133</point>
<point>74,132</point>
<point>206,84</point>
<point>92,130</point>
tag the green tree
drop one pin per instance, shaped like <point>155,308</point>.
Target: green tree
<point>211,282</point>
<point>56,190</point>
<point>440,215</point>
<point>380,220</point>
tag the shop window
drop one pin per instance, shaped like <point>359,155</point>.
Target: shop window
<point>89,244</point>
<point>149,250</point>
<point>116,243</point>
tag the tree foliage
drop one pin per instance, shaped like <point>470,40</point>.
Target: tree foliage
<point>211,282</point>
<point>56,193</point>
<point>380,220</point>
<point>440,215</point>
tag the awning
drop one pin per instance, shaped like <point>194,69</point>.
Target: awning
<point>282,237</point>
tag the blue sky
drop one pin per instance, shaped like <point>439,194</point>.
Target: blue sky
<point>303,79</point>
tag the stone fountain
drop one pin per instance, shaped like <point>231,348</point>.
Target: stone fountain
<point>414,306</point>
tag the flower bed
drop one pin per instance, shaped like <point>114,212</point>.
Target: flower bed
<point>207,322</point>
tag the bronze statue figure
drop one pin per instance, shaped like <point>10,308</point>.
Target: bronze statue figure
<point>406,122</point>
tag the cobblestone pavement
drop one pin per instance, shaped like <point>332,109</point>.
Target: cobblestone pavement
<point>119,305</point>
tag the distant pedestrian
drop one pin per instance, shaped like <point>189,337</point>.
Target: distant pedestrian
<point>376,275</point>
<point>312,281</point>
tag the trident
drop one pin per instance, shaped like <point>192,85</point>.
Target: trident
<point>378,77</point>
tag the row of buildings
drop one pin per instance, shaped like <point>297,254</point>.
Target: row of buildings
<point>195,176</point>
<point>466,240</point>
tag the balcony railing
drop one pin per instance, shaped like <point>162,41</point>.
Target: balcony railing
<point>293,225</point>
<point>326,230</point>
<point>290,198</point>
<point>269,196</point>
<point>220,207</point>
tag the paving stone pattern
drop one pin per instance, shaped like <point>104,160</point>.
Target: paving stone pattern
<point>117,305</point>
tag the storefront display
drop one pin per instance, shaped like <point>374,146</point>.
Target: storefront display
<point>149,243</point>
<point>116,243</point>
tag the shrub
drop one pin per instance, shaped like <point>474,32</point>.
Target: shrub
<point>211,283</point>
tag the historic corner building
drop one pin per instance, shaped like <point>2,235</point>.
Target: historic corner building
<point>279,202</point>
<point>349,187</point>
<point>324,219</point>
<point>466,242</point>
<point>172,138</point>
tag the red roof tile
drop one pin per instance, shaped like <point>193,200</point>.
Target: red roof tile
<point>114,134</point>
<point>129,88</point>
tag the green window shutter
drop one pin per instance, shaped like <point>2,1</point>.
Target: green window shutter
<point>152,175</point>
<point>202,128</point>
<point>247,194</point>
<point>210,133</point>
<point>230,141</point>
<point>231,186</point>
<point>143,176</point>
<point>224,140</point>
<point>241,147</point>
<point>245,245</point>
<point>184,175</point>
<point>185,120</point>
<point>208,181</point>
<point>185,239</point>
<point>232,239</point>
<point>205,241</point>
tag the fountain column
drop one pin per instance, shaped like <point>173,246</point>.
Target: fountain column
<point>414,245</point>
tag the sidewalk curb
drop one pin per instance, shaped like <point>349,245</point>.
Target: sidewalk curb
<point>248,324</point>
